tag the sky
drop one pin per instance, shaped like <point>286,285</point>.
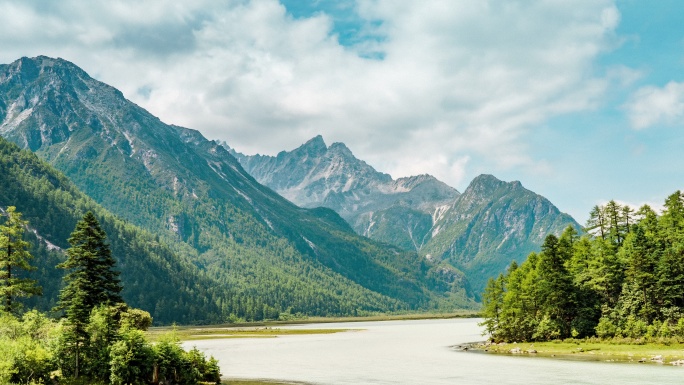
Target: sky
<point>580,100</point>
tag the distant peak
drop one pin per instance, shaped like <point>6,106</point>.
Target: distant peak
<point>489,183</point>
<point>484,183</point>
<point>31,68</point>
<point>314,146</point>
<point>486,179</point>
<point>340,147</point>
<point>516,184</point>
<point>44,61</point>
<point>316,141</point>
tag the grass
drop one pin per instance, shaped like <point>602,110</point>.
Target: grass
<point>594,350</point>
<point>190,333</point>
<point>390,317</point>
<point>268,329</point>
<point>258,382</point>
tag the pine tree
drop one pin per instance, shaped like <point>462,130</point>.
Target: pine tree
<point>597,222</point>
<point>492,303</point>
<point>91,280</point>
<point>14,255</point>
<point>557,294</point>
<point>641,257</point>
<point>615,228</point>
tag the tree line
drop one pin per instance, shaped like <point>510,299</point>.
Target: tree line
<point>97,337</point>
<point>622,278</point>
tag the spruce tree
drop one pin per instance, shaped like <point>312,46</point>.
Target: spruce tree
<point>492,303</point>
<point>556,290</point>
<point>14,256</point>
<point>91,280</point>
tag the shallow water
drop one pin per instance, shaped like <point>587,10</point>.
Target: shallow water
<point>410,352</point>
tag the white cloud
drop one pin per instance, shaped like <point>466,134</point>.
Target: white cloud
<point>458,79</point>
<point>650,106</point>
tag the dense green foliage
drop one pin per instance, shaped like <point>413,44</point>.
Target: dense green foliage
<point>624,278</point>
<point>101,339</point>
<point>14,255</point>
<point>36,349</point>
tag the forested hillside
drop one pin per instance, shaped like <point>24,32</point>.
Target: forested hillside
<point>491,224</point>
<point>155,278</point>
<point>624,278</point>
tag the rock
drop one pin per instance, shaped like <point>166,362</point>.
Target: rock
<point>516,351</point>
<point>657,358</point>
<point>532,351</point>
<point>678,363</point>
<point>642,360</point>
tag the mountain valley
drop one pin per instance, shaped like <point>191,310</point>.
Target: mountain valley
<point>478,232</point>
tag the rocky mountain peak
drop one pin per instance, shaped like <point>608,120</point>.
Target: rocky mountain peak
<point>485,183</point>
<point>56,72</point>
<point>339,148</point>
<point>313,147</point>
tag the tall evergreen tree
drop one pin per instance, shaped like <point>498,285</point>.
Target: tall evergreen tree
<point>14,255</point>
<point>557,294</point>
<point>615,225</point>
<point>492,303</point>
<point>641,258</point>
<point>671,265</point>
<point>597,222</point>
<point>91,280</point>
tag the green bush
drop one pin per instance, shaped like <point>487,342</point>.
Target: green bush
<point>131,359</point>
<point>606,328</point>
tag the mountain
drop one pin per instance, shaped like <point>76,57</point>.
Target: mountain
<point>478,232</point>
<point>154,277</point>
<point>194,195</point>
<point>399,211</point>
<point>491,224</point>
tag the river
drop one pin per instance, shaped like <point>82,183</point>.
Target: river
<point>410,352</point>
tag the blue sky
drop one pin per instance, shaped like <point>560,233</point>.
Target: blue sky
<point>582,101</point>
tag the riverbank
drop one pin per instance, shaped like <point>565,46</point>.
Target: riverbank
<point>189,333</point>
<point>369,318</point>
<point>269,329</point>
<point>644,353</point>
<point>258,382</point>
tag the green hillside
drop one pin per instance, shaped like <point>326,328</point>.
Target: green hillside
<point>154,277</point>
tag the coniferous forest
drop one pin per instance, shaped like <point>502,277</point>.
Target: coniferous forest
<point>622,279</point>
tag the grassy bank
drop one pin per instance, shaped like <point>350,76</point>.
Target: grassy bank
<point>389,317</point>
<point>206,332</point>
<point>269,329</point>
<point>258,382</point>
<point>591,350</point>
